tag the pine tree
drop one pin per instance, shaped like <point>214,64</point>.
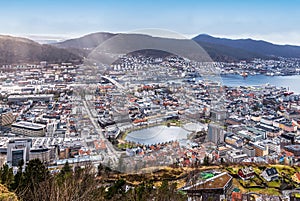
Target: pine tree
<point>206,160</point>
<point>6,175</point>
<point>100,169</point>
<point>18,180</point>
<point>35,174</point>
<point>66,170</point>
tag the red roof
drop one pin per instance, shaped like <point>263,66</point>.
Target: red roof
<point>298,175</point>
<point>236,196</point>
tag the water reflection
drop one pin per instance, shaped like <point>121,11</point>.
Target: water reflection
<point>157,134</point>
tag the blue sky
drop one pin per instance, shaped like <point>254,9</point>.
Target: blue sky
<point>275,21</point>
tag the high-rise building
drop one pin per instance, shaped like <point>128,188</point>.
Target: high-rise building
<point>17,150</point>
<point>215,134</point>
<point>218,115</point>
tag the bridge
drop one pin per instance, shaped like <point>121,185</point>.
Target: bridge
<point>117,84</point>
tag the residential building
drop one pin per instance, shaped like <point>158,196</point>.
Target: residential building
<point>218,115</point>
<point>33,97</point>
<point>41,153</point>
<point>246,173</point>
<point>270,174</point>
<point>295,149</point>
<point>234,141</point>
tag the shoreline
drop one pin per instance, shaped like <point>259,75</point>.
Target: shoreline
<point>289,82</point>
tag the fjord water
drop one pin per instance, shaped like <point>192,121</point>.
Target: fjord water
<point>290,82</point>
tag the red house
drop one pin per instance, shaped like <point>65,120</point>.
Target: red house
<point>246,173</point>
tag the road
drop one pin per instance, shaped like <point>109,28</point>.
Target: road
<point>112,154</point>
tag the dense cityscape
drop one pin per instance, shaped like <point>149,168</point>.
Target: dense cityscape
<point>149,100</point>
<point>52,113</point>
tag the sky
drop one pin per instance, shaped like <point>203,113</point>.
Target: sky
<point>276,21</point>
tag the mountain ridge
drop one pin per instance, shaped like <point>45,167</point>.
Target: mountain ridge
<point>18,50</point>
<point>258,46</point>
<point>220,49</point>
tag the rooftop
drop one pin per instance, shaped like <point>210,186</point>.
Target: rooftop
<point>295,147</point>
<point>29,125</point>
<point>32,96</point>
<point>271,171</point>
<point>216,182</point>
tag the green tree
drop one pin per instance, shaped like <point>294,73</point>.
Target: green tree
<point>66,170</point>
<point>64,174</point>
<point>206,160</point>
<point>168,192</point>
<point>18,180</point>
<point>80,186</point>
<point>142,192</point>
<point>116,191</point>
<point>35,174</point>
<point>100,169</point>
<point>107,170</point>
<point>6,175</point>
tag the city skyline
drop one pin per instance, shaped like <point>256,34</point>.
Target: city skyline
<point>275,22</point>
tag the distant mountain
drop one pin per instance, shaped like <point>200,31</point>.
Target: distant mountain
<point>248,48</point>
<point>16,50</point>
<point>219,49</point>
<point>84,45</point>
<point>135,42</point>
<point>89,41</point>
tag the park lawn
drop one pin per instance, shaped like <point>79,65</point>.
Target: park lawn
<point>233,169</point>
<point>239,186</point>
<point>287,170</point>
<point>274,184</point>
<point>269,191</point>
<point>258,181</point>
<point>124,145</point>
<point>297,168</point>
<point>252,184</point>
<point>257,170</point>
<point>248,183</point>
<point>230,170</point>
